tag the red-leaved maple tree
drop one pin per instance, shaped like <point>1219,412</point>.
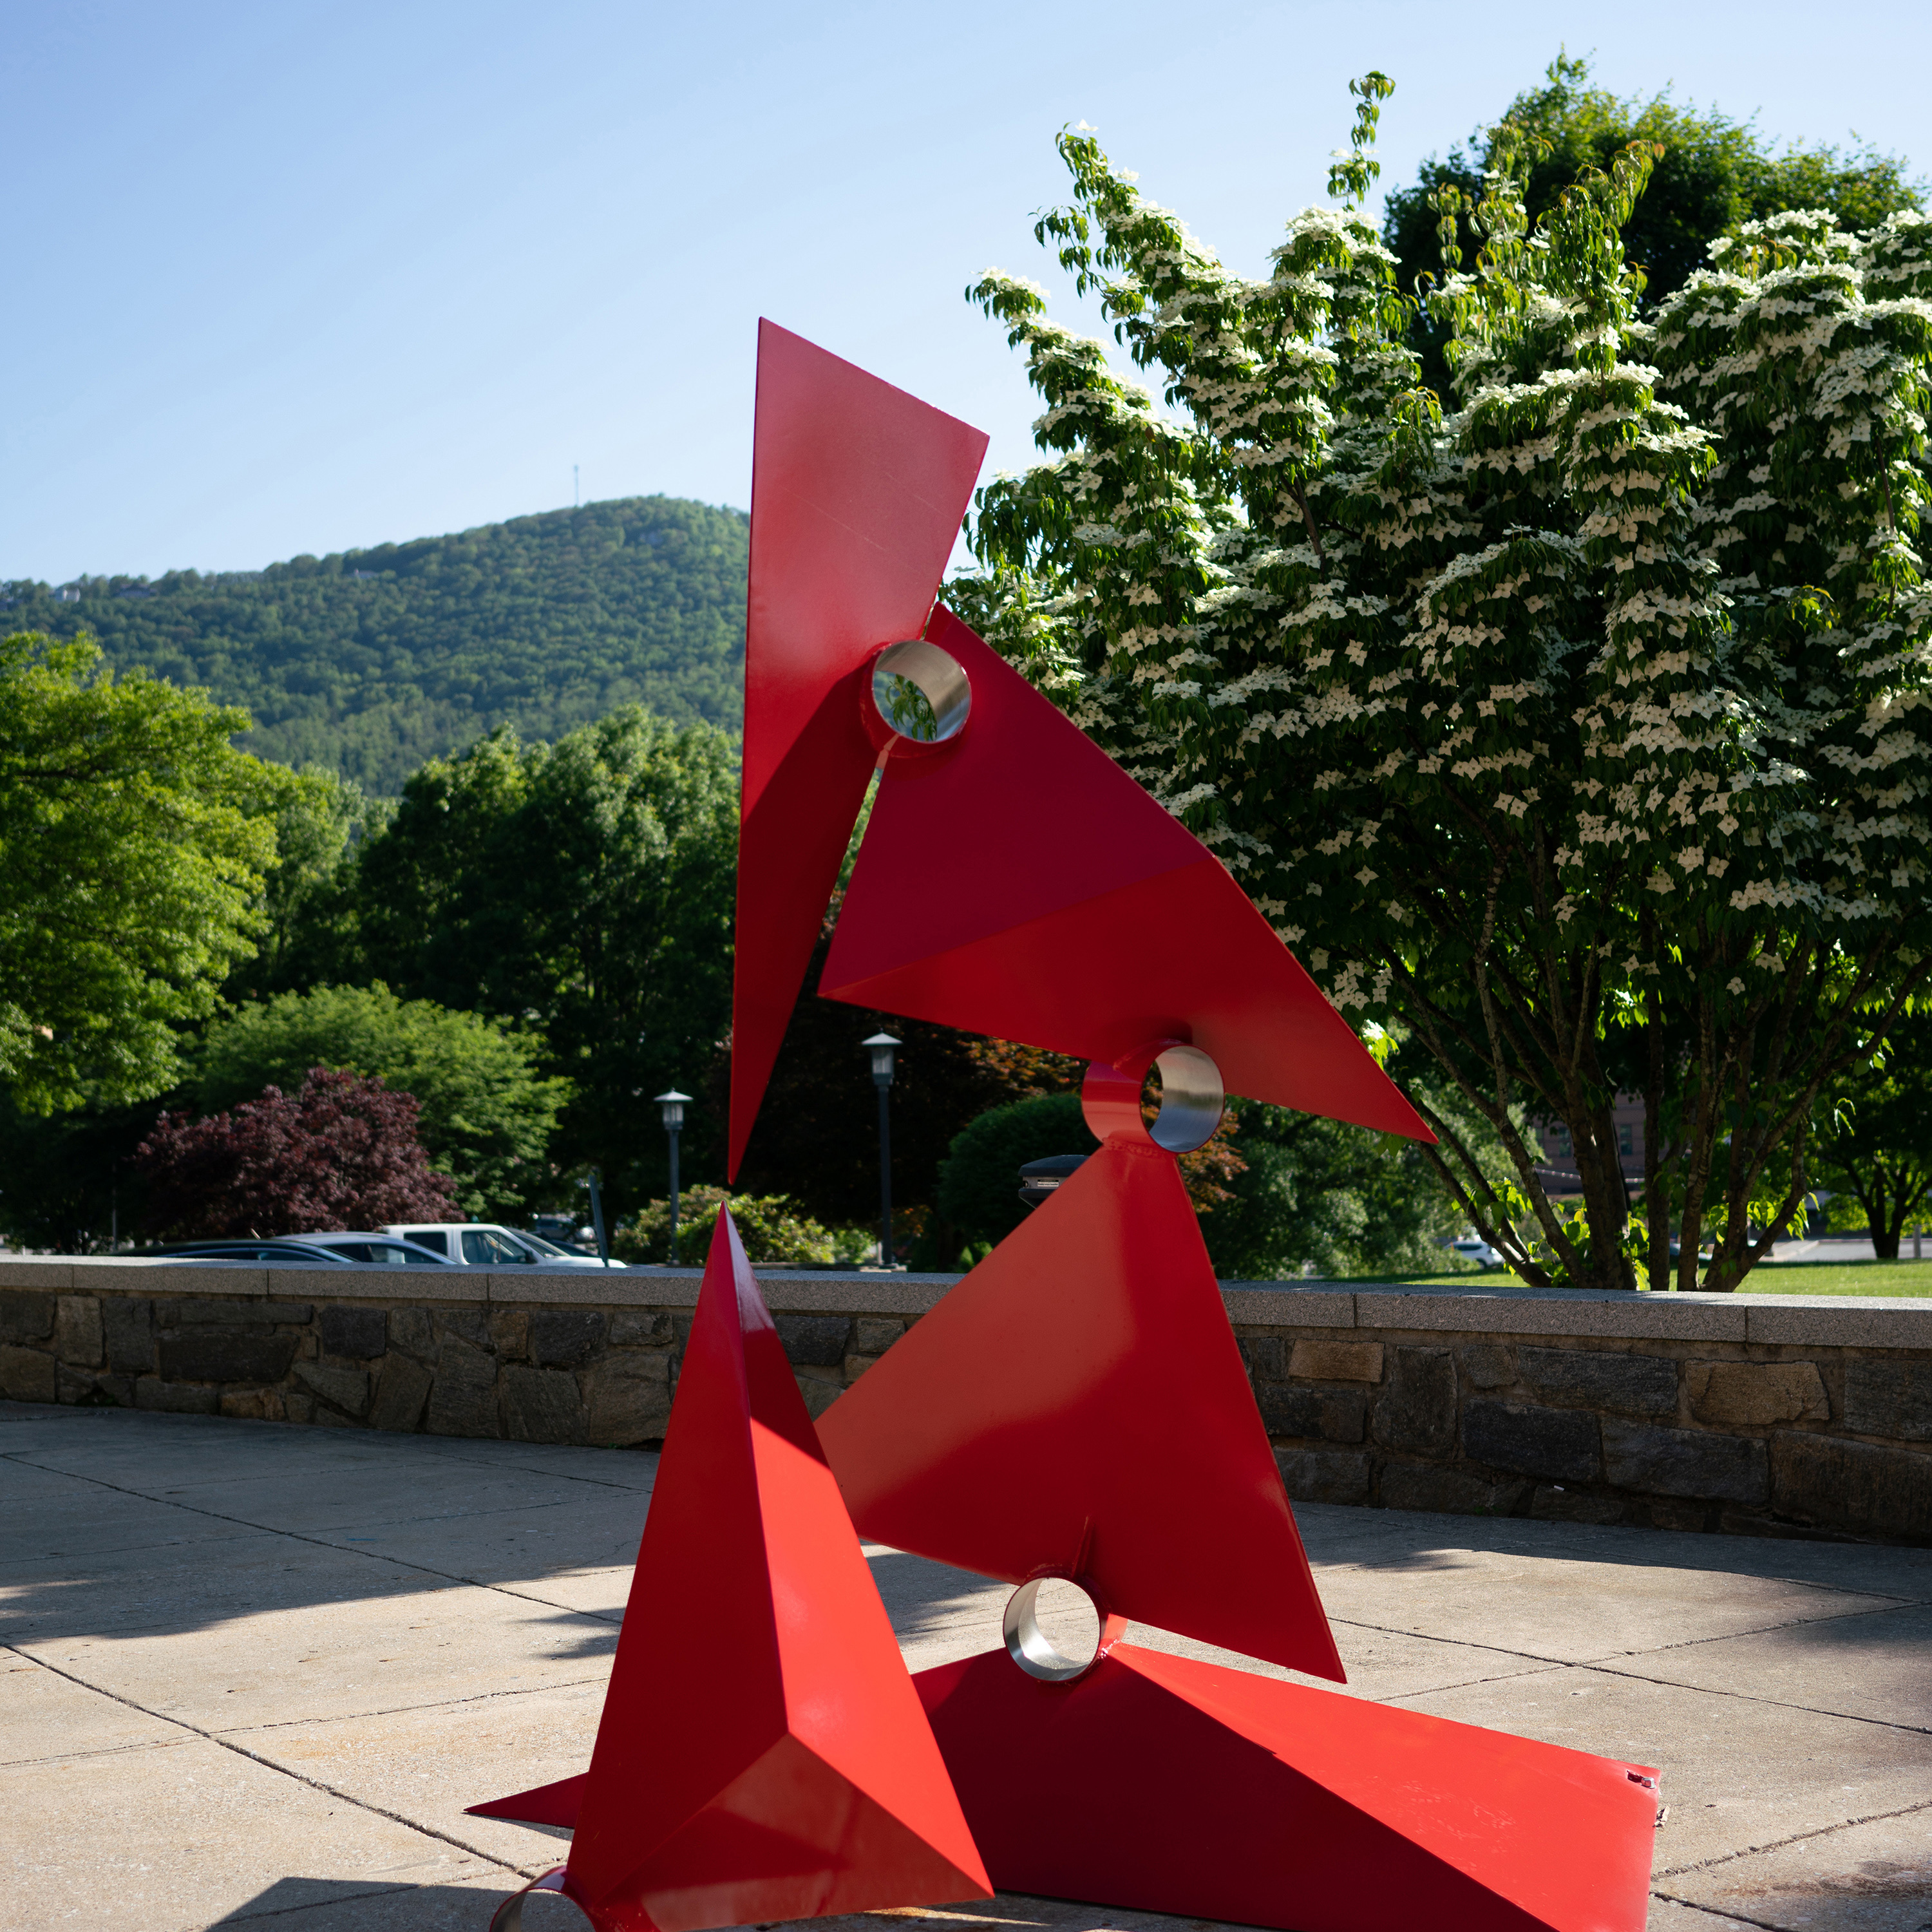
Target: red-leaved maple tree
<point>343,1153</point>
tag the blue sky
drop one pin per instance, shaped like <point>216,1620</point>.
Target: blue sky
<point>293,277</point>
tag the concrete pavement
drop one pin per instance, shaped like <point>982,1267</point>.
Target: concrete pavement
<point>254,1672</point>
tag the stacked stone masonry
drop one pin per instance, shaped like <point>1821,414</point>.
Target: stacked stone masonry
<point>1767,1415</point>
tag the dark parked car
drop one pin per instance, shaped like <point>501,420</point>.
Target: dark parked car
<point>292,1252</point>
<point>320,1249</point>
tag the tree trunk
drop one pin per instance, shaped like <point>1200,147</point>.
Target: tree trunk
<point>1656,1208</point>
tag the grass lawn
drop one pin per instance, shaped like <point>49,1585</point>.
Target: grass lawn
<point>1904,1278</point>
<point>1841,1278</point>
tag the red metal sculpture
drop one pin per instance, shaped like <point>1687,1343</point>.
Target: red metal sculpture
<point>1015,881</point>
<point>764,1755</point>
<point>1163,1784</point>
<point>1119,1447</point>
<point>857,494</point>
<point>762,1752</point>
<point>995,855</point>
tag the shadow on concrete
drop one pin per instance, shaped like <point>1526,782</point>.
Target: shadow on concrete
<point>318,1905</point>
<point>1411,1540</point>
<point>117,1524</point>
<point>297,1904</point>
<point>923,1598</point>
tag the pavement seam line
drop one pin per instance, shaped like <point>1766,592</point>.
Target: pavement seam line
<point>106,1751</point>
<point>1468,1683</point>
<point>1796,1838</point>
<point>269,1764</point>
<point>402,1710</point>
<point>1888,1609</point>
<point>1749,1697</point>
<point>320,1543</point>
<point>1635,1676</point>
<point>1733,1918</point>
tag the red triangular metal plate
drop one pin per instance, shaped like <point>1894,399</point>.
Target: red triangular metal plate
<point>1119,1443</point>
<point>556,1804</point>
<point>858,491</point>
<point>1017,883</point>
<point>790,1837</point>
<point>1162,1784</point>
<point>757,1684</point>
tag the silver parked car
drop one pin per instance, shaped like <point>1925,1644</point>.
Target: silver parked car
<point>386,1250</point>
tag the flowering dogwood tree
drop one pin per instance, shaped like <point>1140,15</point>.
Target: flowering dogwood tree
<point>1574,729</point>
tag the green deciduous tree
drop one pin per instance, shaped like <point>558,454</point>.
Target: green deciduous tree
<point>1712,176</point>
<point>308,900</point>
<point>487,1117</point>
<point>1321,1197</point>
<point>134,843</point>
<point>69,1182</point>
<point>1879,1147</point>
<point>584,890</point>
<point>1576,729</point>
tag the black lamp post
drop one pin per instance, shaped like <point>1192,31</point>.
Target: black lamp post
<point>880,1046</point>
<point>670,1105</point>
<point>597,1216</point>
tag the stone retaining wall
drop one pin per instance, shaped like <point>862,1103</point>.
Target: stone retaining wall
<point>1767,1414</point>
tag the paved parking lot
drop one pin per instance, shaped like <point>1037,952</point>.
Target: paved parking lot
<point>256,1671</point>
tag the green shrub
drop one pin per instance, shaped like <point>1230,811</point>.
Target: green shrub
<point>979,1197</point>
<point>769,1226</point>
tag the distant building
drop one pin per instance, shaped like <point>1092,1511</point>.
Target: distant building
<point>1557,1170</point>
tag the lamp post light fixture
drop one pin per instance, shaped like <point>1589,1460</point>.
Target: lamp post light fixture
<point>670,1106</point>
<point>880,1046</point>
<point>597,1216</point>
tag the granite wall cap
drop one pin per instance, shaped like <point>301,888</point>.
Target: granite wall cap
<point>177,1279</point>
<point>24,1273</point>
<point>1277,1305</point>
<point>791,1289</point>
<point>379,1284</point>
<point>1840,1320</point>
<point>857,1293</point>
<point>587,1287</point>
<point>1519,1311</point>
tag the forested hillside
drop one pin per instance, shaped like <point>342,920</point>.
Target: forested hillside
<point>373,661</point>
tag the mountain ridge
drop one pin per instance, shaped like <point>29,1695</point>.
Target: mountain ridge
<point>371,660</point>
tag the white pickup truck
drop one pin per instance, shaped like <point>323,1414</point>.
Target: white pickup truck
<point>489,1244</point>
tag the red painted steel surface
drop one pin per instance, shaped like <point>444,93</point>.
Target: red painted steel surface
<point>1159,1783</point>
<point>1118,1444</point>
<point>858,491</point>
<point>762,1754</point>
<point>1016,882</point>
<point>556,1804</point>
